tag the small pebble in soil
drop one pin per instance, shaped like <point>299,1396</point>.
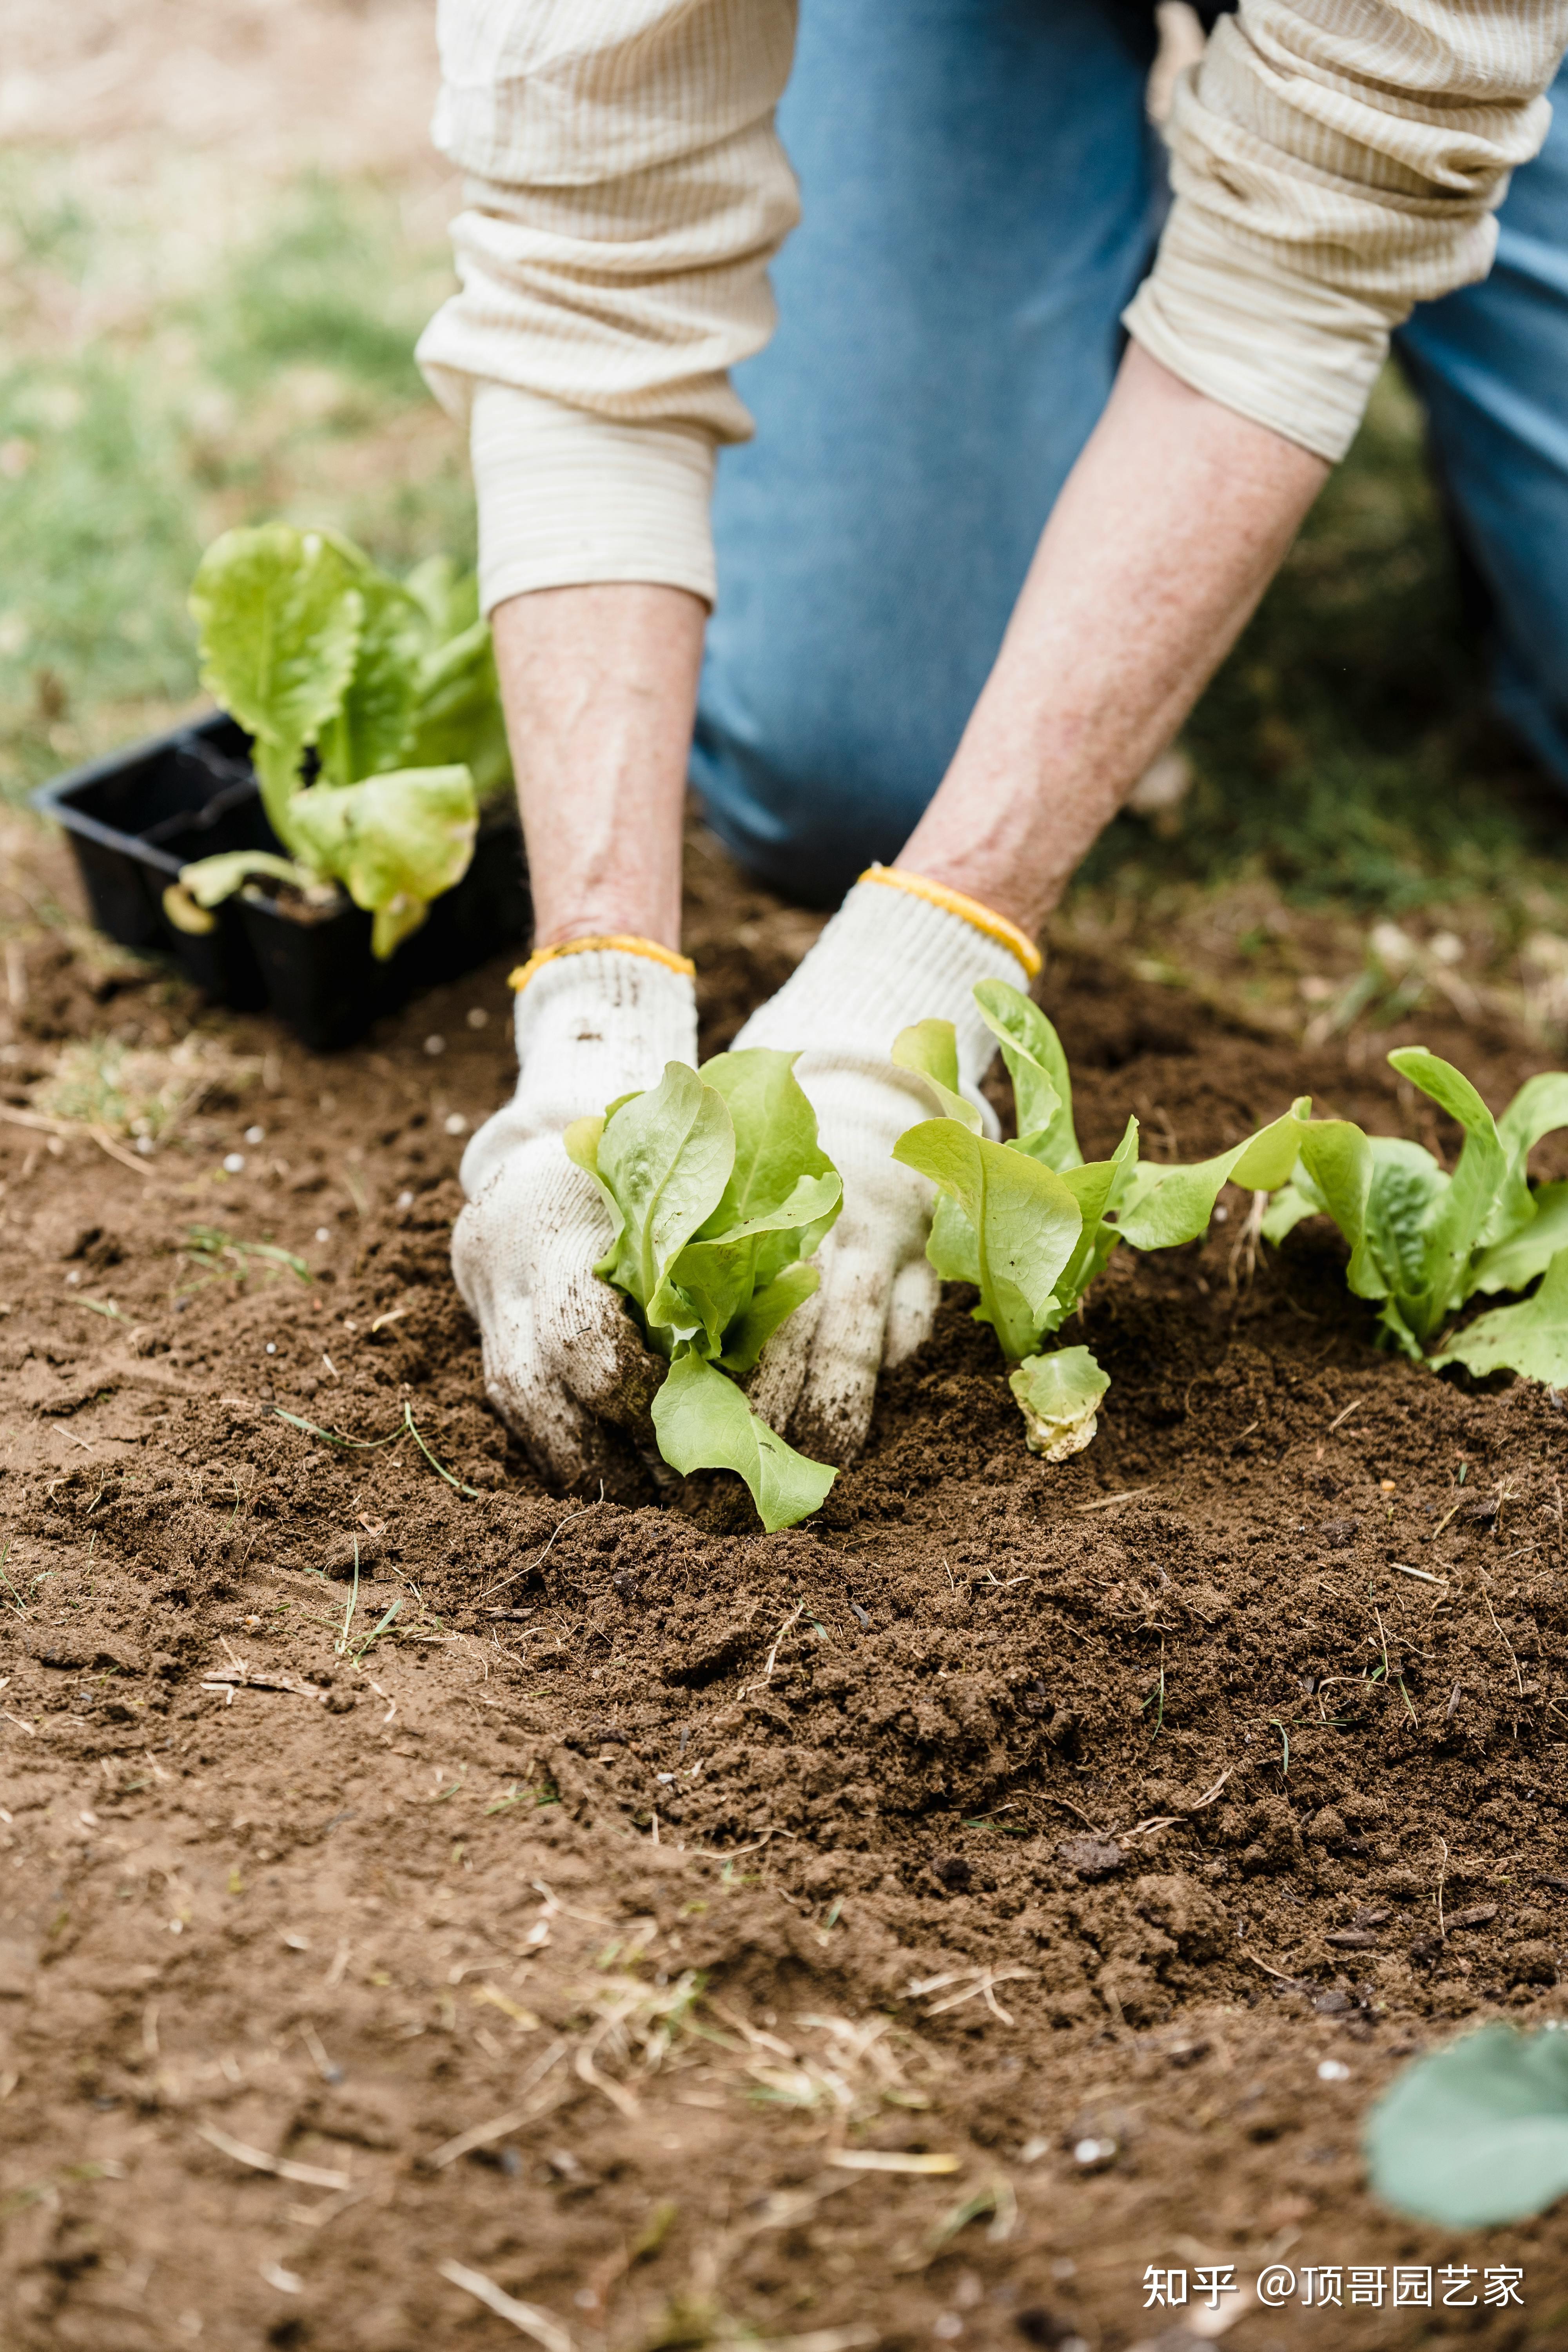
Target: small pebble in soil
<point>233,1163</point>
<point>406,1199</point>
<point>1091,1858</point>
<point>144,1145</point>
<point>1093,2154</point>
<point>1333,2070</point>
<point>947,2324</point>
<point>478,1018</point>
<point>435,1045</point>
<point>454,1123</point>
<point>323,1234</point>
<point>272,1347</point>
<point>256,1135</point>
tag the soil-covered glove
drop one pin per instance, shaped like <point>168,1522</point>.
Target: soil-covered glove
<point>899,950</point>
<point>565,1364</point>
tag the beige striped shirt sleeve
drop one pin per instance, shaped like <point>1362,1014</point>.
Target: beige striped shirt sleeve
<point>626,190</point>
<point>1334,161</point>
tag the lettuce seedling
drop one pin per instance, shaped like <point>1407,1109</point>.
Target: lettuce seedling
<point>1476,2134</point>
<point>1423,1241</point>
<point>1032,1224</point>
<point>718,1192</point>
<point>391,684</point>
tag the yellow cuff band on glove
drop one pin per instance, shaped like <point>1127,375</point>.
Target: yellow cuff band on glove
<point>622,944</point>
<point>968,910</point>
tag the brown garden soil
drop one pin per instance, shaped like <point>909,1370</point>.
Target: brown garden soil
<point>902,1930</point>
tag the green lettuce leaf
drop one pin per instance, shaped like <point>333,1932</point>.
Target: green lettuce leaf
<point>776,1148</point>
<point>1532,1337</point>
<point>210,880</point>
<point>1097,1185</point>
<point>1167,1206</point>
<point>1383,1192</point>
<point>1476,2134</point>
<point>717,1190</point>
<point>457,712</point>
<point>930,1049</point>
<point>1423,1241</point>
<point>278,613</point>
<point>1479,1202</point>
<point>1042,1085</point>
<point>1285,1211</point>
<point>206,882</point>
<point>703,1422</point>
<point>665,1158</point>
<point>394,842</point>
<point>1024,1218</point>
<point>1540,1106</point>
<point>720,1279</point>
<point>1059,1396</point>
<point>769,1309</point>
<point>448,597</point>
<point>778,1204</point>
<point>1335,1179</point>
<point>1514,1264</point>
<point>370,732</point>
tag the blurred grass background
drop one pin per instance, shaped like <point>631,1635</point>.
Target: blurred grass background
<point>281,383</point>
<point>1345,758</point>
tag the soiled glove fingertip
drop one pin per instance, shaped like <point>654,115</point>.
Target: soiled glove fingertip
<point>831,1430</point>
<point>917,1293</point>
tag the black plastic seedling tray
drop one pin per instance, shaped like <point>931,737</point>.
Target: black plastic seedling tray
<point>134,818</point>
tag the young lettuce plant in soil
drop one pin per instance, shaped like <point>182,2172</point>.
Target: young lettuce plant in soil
<point>1031,1223</point>
<point>391,684</point>
<point>1476,2134</point>
<point>1425,1242</point>
<point>718,1192</point>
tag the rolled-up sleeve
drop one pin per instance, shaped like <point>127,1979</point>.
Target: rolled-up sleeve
<point>1334,162</point>
<point>625,192</point>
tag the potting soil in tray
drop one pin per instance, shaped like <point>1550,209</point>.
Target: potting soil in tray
<point>134,818</point>
<point>919,1926</point>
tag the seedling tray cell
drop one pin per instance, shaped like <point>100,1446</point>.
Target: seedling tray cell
<point>135,817</point>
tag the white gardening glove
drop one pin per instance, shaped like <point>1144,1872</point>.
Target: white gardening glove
<point>565,1366</point>
<point>889,958</point>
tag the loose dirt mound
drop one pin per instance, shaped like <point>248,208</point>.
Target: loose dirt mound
<point>919,1923</point>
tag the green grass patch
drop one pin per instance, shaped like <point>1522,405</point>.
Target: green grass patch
<point>281,383</point>
<point>330,283</point>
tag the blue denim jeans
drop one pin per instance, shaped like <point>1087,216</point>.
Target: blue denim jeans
<point>981,198</point>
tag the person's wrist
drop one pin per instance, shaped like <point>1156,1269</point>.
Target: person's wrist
<point>892,955</point>
<point>597,1019</point>
<point>593,1022</point>
<point>616,944</point>
<point>990,921</point>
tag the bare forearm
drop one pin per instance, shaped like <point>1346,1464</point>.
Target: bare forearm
<point>600,688</point>
<point>1172,524</point>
